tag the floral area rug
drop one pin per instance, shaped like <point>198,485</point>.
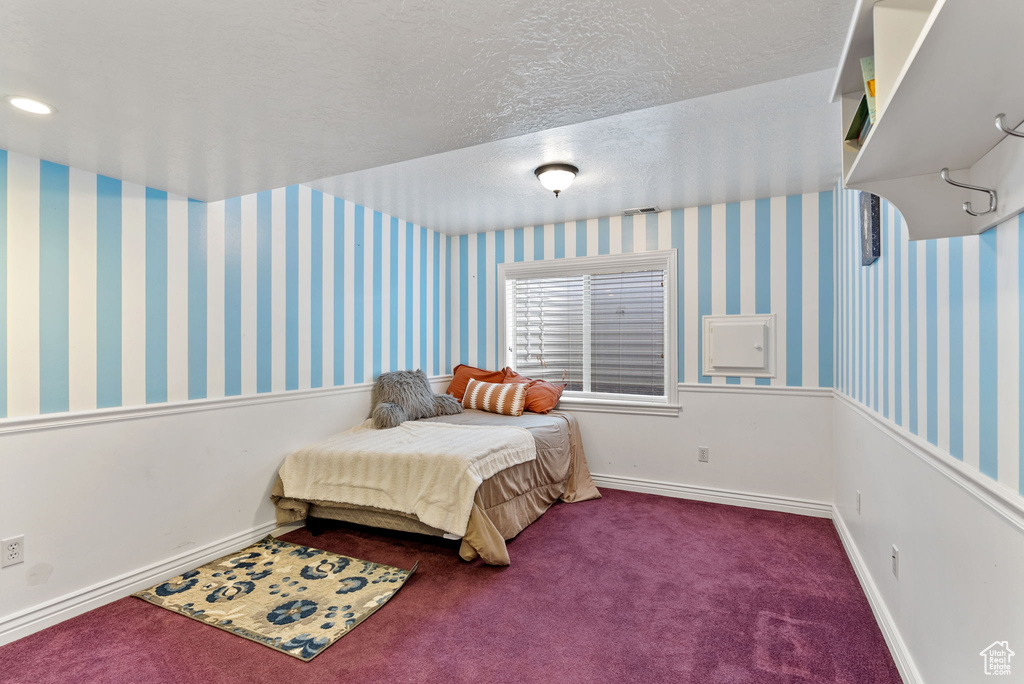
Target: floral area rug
<point>294,599</point>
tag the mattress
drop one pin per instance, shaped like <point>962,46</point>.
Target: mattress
<point>504,504</point>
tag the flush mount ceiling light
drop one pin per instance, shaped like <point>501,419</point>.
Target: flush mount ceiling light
<point>27,104</point>
<point>556,177</point>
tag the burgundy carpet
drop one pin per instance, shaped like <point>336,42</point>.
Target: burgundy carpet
<point>630,588</point>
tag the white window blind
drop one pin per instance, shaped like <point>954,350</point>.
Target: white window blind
<point>627,312</point>
<point>548,324</point>
<point>601,328</point>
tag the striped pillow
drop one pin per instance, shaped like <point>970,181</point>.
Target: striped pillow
<point>505,398</point>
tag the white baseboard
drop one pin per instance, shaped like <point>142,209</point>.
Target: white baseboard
<point>286,528</point>
<point>22,624</point>
<point>767,502</point>
<point>897,647</point>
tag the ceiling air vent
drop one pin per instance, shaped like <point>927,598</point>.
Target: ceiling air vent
<point>639,210</point>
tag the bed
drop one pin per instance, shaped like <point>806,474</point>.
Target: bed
<point>504,504</point>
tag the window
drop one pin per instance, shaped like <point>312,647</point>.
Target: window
<point>605,326</point>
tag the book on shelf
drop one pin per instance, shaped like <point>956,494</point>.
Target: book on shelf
<point>854,134</point>
<point>867,69</point>
<point>864,132</point>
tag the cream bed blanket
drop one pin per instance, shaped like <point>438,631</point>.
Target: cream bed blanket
<point>430,470</point>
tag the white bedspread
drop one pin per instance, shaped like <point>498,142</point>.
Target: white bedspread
<point>430,470</point>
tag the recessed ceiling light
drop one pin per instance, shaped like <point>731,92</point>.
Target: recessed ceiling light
<point>27,104</point>
<point>556,177</point>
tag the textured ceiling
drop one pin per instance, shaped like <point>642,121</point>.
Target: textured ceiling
<point>762,141</point>
<point>215,99</point>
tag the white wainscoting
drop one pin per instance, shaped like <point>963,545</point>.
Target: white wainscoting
<point>961,545</point>
<point>113,501</point>
<point>771,447</point>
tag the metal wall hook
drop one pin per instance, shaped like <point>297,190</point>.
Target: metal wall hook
<point>967,205</point>
<point>1001,125</point>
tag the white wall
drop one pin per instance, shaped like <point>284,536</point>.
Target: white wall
<point>961,542</point>
<point>771,447</point>
<point>108,507</point>
<point>101,521</point>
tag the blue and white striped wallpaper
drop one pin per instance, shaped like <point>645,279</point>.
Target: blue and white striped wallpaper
<point>929,336</point>
<point>757,256</point>
<point>114,294</point>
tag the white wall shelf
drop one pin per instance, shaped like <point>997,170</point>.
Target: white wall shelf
<point>960,67</point>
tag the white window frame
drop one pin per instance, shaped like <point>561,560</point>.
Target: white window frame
<point>666,260</point>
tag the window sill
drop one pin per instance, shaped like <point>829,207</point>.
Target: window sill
<point>640,408</point>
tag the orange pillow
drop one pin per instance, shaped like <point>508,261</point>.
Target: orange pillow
<point>461,375</point>
<point>505,398</point>
<point>541,395</point>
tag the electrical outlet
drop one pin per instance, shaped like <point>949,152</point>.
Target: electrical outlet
<point>703,454</point>
<point>13,551</point>
<point>895,562</point>
<point>858,502</point>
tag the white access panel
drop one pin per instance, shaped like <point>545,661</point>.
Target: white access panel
<point>741,345</point>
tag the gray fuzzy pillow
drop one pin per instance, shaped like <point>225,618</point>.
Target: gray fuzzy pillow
<point>399,396</point>
<point>446,405</point>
